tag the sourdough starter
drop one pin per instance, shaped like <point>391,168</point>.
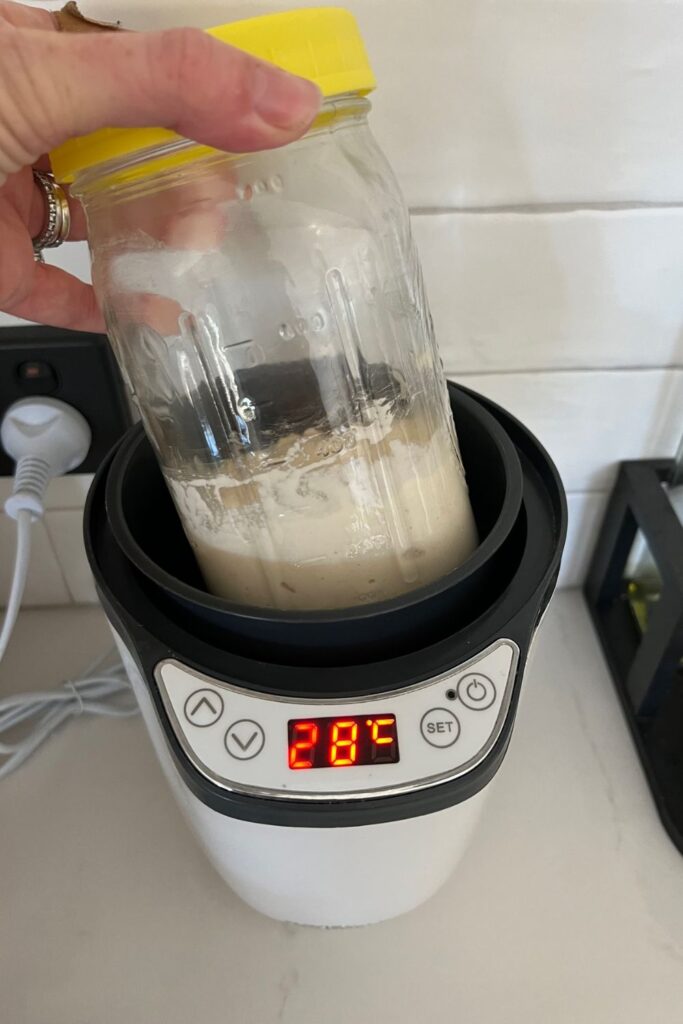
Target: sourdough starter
<point>326,521</point>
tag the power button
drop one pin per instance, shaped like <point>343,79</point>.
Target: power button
<point>476,691</point>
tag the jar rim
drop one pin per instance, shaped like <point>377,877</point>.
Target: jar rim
<point>322,44</point>
<point>160,161</point>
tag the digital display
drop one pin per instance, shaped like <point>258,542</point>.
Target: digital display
<point>342,742</point>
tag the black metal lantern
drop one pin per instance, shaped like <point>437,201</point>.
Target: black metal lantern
<point>634,592</point>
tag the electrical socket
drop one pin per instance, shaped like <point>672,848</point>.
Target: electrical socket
<point>78,368</point>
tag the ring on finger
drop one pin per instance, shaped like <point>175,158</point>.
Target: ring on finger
<point>58,215</point>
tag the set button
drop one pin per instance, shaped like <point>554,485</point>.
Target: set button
<point>439,727</point>
<point>476,691</point>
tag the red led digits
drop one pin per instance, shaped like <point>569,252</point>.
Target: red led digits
<point>383,739</point>
<point>302,744</point>
<point>343,743</point>
<point>377,725</point>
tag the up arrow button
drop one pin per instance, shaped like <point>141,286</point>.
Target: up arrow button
<point>203,708</point>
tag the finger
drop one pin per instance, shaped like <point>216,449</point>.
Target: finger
<point>54,86</point>
<point>20,16</point>
<point>196,215</point>
<point>158,312</point>
<point>37,292</point>
<point>54,297</point>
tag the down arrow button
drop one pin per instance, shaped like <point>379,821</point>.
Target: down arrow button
<point>245,739</point>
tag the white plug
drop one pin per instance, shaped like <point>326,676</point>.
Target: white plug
<point>46,438</point>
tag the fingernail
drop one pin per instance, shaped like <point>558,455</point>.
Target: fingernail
<point>284,100</point>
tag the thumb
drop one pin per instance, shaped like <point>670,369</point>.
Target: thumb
<point>54,86</point>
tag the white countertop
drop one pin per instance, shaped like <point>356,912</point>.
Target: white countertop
<point>567,908</point>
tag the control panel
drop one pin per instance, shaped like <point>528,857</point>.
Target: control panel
<point>408,739</point>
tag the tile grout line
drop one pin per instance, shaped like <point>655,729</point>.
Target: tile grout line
<point>546,208</point>
<point>72,601</point>
<point>578,491</point>
<point>517,371</point>
<point>55,553</point>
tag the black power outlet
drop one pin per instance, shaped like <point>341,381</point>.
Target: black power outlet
<point>78,368</point>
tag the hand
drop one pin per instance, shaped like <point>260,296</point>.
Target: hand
<point>56,85</point>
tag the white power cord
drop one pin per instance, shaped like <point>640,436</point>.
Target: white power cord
<point>47,438</point>
<point>101,691</point>
<point>16,593</point>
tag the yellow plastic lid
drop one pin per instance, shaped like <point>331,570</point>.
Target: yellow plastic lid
<point>323,44</point>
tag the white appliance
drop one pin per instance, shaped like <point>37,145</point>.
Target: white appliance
<point>333,765</point>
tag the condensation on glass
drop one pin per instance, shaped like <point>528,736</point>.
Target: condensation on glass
<point>269,317</point>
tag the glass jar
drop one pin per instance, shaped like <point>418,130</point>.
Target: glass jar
<point>268,314</point>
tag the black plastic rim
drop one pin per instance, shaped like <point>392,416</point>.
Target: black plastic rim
<point>136,439</point>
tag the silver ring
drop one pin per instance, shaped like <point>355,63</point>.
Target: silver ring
<point>58,220</point>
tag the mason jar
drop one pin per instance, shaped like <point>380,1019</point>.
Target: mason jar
<point>269,317</point>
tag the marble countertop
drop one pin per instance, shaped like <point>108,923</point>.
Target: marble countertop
<point>567,908</point>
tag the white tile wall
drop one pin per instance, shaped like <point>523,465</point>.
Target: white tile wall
<point>589,421</point>
<point>66,492</point>
<point>65,530</point>
<point>45,583</point>
<point>585,517</point>
<point>572,290</point>
<point>539,146</point>
<point>59,572</point>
